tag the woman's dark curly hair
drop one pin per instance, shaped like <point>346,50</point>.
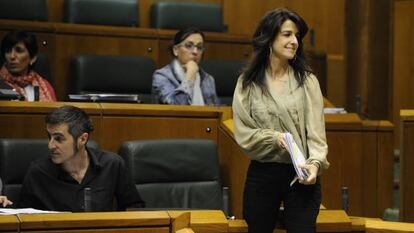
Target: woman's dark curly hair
<point>263,38</point>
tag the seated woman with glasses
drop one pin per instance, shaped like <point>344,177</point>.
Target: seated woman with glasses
<point>182,81</point>
<point>19,51</point>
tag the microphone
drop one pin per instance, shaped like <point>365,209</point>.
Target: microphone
<point>345,199</point>
<point>87,199</point>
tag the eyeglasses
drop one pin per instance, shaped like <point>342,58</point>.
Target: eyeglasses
<point>190,46</point>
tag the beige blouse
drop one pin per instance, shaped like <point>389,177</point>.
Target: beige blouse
<point>260,118</point>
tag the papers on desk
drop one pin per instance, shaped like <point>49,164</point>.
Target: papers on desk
<point>10,211</point>
<point>334,110</point>
<point>297,158</point>
<point>128,98</point>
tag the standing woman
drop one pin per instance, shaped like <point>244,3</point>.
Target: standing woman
<point>19,51</point>
<point>276,94</point>
<point>182,81</point>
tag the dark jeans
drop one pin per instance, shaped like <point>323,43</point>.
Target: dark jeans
<point>267,186</point>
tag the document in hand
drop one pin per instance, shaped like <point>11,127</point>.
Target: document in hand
<point>297,156</point>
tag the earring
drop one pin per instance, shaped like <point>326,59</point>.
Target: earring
<point>271,51</point>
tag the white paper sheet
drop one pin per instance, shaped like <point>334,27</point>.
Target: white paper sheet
<point>297,157</point>
<point>10,211</point>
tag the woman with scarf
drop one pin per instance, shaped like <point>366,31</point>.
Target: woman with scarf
<point>19,52</point>
<point>182,81</point>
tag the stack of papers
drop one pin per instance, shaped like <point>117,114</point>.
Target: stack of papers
<point>129,98</point>
<point>297,157</point>
<point>10,211</point>
<point>334,111</point>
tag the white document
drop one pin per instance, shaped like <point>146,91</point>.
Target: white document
<point>334,111</point>
<point>10,211</point>
<point>297,158</point>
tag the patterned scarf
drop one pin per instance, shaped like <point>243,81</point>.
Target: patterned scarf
<point>46,93</point>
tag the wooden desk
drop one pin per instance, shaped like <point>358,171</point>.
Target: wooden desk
<point>95,222</point>
<point>9,223</point>
<point>205,221</point>
<point>377,226</point>
<point>327,221</point>
<point>199,221</point>
<point>333,221</point>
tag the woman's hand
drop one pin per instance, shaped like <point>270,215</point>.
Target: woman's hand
<point>191,69</point>
<point>281,141</point>
<point>4,201</point>
<point>313,170</point>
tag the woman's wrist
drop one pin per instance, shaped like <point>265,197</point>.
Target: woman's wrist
<point>316,163</point>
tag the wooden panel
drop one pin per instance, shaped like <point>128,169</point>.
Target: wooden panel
<point>367,59</point>
<point>33,26</point>
<point>27,120</point>
<point>403,60</point>
<point>242,17</point>
<point>333,221</point>
<point>377,226</point>
<point>139,122</point>
<point>55,10</point>
<point>407,172</point>
<point>120,129</point>
<point>385,181</point>
<point>120,122</point>
<point>110,230</point>
<point>145,9</point>
<point>205,221</point>
<point>94,220</point>
<point>345,150</point>
<point>233,168</point>
<point>9,223</point>
<point>369,160</point>
<point>336,80</point>
<point>377,162</point>
<point>318,63</point>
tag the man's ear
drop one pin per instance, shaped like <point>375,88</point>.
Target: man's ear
<point>83,139</point>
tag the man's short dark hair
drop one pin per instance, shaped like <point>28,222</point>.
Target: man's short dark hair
<point>78,120</point>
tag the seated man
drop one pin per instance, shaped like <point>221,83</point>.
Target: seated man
<point>59,182</point>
